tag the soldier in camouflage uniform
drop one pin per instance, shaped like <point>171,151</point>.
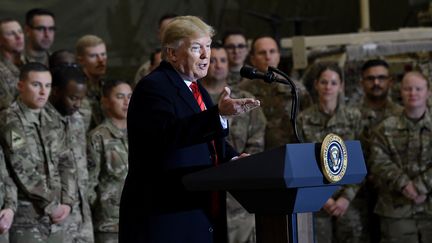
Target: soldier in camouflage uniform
<point>69,90</point>
<point>375,107</point>
<point>92,56</point>
<point>275,98</point>
<point>330,116</point>
<point>401,158</point>
<point>234,42</point>
<point>11,58</point>
<point>246,135</point>
<point>108,161</point>
<point>34,148</point>
<point>8,200</point>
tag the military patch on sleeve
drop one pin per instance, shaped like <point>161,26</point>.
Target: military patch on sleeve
<point>17,140</point>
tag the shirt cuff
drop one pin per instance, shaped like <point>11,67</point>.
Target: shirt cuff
<point>224,122</point>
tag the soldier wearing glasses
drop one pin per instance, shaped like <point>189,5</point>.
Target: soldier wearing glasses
<point>40,31</point>
<point>375,107</point>
<point>234,42</point>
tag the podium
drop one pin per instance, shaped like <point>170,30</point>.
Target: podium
<point>281,186</point>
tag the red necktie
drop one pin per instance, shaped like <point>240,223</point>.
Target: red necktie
<point>215,195</point>
<point>197,94</point>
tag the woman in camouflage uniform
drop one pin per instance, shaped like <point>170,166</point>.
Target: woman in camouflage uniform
<point>331,116</point>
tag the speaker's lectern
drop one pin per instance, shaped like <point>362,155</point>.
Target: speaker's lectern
<point>281,186</point>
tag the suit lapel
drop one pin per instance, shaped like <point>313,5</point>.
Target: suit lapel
<point>182,90</point>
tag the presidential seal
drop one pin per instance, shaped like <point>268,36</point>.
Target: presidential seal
<point>334,160</point>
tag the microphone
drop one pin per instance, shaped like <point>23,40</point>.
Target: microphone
<point>269,77</point>
<point>253,73</point>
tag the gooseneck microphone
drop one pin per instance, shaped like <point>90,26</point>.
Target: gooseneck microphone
<point>252,73</point>
<point>270,77</point>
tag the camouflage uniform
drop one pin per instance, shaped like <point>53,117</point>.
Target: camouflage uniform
<point>233,78</point>
<point>246,134</point>
<point>78,225</point>
<point>44,58</point>
<point>276,103</point>
<point>9,75</point>
<point>8,192</point>
<point>34,147</point>
<point>108,166</point>
<point>91,108</point>
<point>314,125</point>
<point>366,197</point>
<point>401,152</point>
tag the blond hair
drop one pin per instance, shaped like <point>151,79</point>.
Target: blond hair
<point>87,41</point>
<point>182,27</point>
<point>417,74</point>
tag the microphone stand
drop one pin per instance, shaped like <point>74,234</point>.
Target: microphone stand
<point>295,101</point>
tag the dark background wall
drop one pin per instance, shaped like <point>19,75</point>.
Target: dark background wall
<point>129,26</point>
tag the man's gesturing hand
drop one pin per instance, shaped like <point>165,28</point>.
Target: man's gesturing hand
<point>233,107</point>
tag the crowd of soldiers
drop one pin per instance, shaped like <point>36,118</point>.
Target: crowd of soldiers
<point>63,137</point>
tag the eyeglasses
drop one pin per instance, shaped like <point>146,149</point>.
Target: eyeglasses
<point>372,78</point>
<point>232,46</point>
<point>44,28</point>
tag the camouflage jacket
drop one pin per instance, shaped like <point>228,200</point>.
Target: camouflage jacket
<point>75,140</point>
<point>8,190</point>
<point>314,125</point>
<point>91,108</point>
<point>34,148</point>
<point>233,78</point>
<point>401,152</point>
<point>108,166</point>
<point>9,75</point>
<point>246,131</point>
<point>370,118</point>
<point>276,103</point>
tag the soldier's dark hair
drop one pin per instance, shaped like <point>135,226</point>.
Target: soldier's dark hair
<point>332,66</point>
<point>109,84</point>
<point>252,50</point>
<point>37,12</point>
<point>62,75</point>
<point>217,44</point>
<point>31,67</point>
<point>56,59</point>
<point>153,55</point>
<point>230,32</point>
<point>374,63</point>
<point>166,16</point>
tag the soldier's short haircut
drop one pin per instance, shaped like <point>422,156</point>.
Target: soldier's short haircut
<point>252,50</point>
<point>37,12</point>
<point>56,58</point>
<point>182,27</point>
<point>332,66</point>
<point>7,20</point>
<point>87,41</point>
<point>217,45</point>
<point>166,16</point>
<point>31,67</point>
<point>374,63</point>
<point>62,75</point>
<point>109,84</point>
<point>231,32</point>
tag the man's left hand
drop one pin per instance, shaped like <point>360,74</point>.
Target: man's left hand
<point>232,107</point>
